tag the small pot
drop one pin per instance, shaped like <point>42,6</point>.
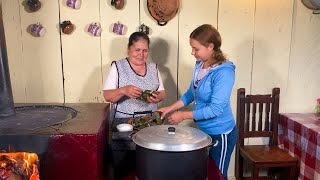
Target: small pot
<point>118,4</point>
<point>144,28</point>
<point>67,27</point>
<point>171,152</point>
<point>34,5</point>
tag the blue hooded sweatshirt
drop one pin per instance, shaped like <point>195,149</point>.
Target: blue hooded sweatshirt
<point>211,99</point>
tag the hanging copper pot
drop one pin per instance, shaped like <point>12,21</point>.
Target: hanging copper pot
<point>67,27</point>
<point>144,28</point>
<point>34,5</point>
<point>118,4</point>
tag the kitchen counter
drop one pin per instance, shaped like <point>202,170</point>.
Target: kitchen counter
<point>73,148</point>
<point>84,147</point>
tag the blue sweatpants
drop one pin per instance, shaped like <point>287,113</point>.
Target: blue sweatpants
<point>222,152</point>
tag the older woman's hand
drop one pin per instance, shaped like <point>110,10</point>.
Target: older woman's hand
<point>132,91</point>
<point>155,97</point>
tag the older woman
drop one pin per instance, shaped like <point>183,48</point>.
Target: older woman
<point>130,76</point>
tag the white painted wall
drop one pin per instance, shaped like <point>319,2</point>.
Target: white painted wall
<point>272,42</point>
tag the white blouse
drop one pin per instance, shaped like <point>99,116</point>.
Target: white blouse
<point>111,81</point>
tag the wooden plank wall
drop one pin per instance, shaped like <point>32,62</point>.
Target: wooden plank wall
<point>81,54</point>
<point>35,63</point>
<point>265,39</point>
<point>272,43</point>
<point>188,21</point>
<point>304,69</point>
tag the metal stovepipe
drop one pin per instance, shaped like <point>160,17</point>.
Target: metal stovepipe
<point>6,97</point>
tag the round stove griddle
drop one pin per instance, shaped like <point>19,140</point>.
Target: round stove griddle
<point>36,117</point>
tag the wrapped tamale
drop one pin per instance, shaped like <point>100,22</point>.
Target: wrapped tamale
<point>146,94</point>
<point>146,121</point>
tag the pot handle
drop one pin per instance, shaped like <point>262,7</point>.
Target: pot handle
<point>214,143</point>
<point>113,2</point>
<point>131,134</point>
<point>142,112</point>
<point>171,130</point>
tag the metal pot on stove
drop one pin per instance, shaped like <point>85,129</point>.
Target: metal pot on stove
<point>171,152</point>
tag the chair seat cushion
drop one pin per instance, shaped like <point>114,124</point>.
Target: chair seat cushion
<point>267,154</point>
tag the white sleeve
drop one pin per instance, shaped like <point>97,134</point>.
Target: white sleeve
<point>161,87</point>
<point>111,81</point>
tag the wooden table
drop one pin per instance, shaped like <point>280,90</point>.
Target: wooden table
<point>299,134</point>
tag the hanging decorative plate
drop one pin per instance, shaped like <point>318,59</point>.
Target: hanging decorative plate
<point>163,10</point>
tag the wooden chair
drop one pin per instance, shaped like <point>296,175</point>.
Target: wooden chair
<point>257,116</point>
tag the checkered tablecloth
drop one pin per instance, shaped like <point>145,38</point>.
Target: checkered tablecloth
<point>299,134</point>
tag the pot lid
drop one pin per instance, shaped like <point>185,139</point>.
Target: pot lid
<point>171,138</point>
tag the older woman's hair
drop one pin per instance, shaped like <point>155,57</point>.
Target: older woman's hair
<point>136,36</point>
<point>206,34</point>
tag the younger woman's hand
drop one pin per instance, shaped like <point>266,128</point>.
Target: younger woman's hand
<point>176,117</point>
<point>164,111</point>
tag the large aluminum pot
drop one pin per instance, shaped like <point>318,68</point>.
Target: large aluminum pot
<point>171,152</point>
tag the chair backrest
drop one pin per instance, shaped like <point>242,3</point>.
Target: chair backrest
<point>258,115</point>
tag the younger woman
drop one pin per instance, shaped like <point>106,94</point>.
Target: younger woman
<point>210,90</point>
